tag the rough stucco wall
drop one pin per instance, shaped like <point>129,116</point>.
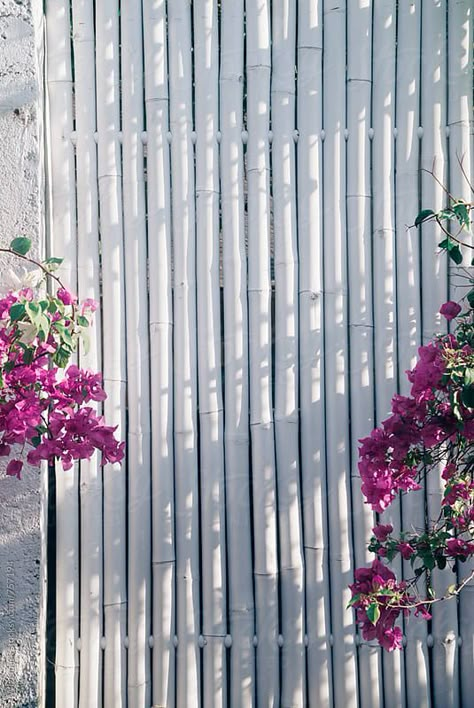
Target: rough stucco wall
<point>21,561</point>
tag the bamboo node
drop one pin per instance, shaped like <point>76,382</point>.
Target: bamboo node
<point>169,137</point>
<point>459,641</point>
<point>202,641</point>
<point>193,137</point>
<point>245,136</point>
<point>420,131</point>
<point>175,641</point>
<point>306,640</point>
<point>227,641</point>
<point>448,130</point>
<point>371,133</point>
<point>218,136</point>
<point>126,643</point>
<point>323,135</point>
<point>103,642</point>
<point>255,640</point>
<point>331,640</point>
<point>404,641</point>
<point>78,644</point>
<point>346,134</point>
<point>429,640</point>
<point>296,135</point>
<point>270,136</point>
<point>151,642</point>
<point>281,641</point>
<point>395,133</point>
<point>144,137</point>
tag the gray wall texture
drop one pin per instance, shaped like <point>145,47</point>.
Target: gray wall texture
<point>22,579</point>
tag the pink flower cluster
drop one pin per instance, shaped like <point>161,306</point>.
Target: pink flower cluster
<point>39,408</point>
<point>378,600</point>
<point>433,424</point>
<point>389,459</point>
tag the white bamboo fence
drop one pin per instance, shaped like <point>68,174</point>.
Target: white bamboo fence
<point>233,181</point>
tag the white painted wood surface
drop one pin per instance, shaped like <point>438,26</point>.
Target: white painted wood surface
<point>91,498</point>
<point>384,268</point>
<point>241,608</point>
<point>113,347</point>
<point>161,343</point>
<point>244,174</point>
<point>62,241</point>
<point>186,458</point>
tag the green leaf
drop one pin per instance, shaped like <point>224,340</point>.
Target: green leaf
<point>17,311</point>
<point>52,263</point>
<point>455,254</point>
<point>82,321</point>
<point>21,245</point>
<point>353,600</point>
<point>445,213</point>
<point>423,215</point>
<point>467,396</point>
<point>33,311</point>
<point>461,211</point>
<point>62,356</point>
<point>373,612</point>
<point>452,589</point>
<point>469,376</point>
<point>28,355</point>
<point>470,298</point>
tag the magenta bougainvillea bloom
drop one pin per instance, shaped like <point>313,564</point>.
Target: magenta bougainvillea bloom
<point>428,431</point>
<point>450,310</point>
<point>49,407</point>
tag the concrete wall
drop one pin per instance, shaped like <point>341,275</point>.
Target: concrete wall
<point>21,207</point>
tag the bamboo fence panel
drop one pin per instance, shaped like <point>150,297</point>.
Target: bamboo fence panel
<point>188,622</point>
<point>384,270</point>
<point>62,241</point>
<point>311,352</point>
<point>258,51</point>
<point>211,414</point>
<point>408,289</point>
<point>244,174</point>
<point>444,659</point>
<point>161,341</point>
<point>241,666</point>
<point>336,351</point>
<point>360,298</point>
<point>138,373</point>
<point>91,573</point>
<point>461,148</point>
<point>113,347</point>
<point>291,560</point>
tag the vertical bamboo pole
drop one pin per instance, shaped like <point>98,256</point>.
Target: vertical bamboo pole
<point>459,111</point>
<point>63,242</point>
<point>88,287</point>
<point>293,681</point>
<point>408,290</point>
<point>211,423</point>
<point>138,373</point>
<point>260,339</point>
<point>384,274</point>
<point>113,346</point>
<point>336,353</point>
<point>309,173</point>
<point>161,339</point>
<point>185,395</point>
<point>444,660</point>
<point>359,251</point>
<point>239,552</point>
